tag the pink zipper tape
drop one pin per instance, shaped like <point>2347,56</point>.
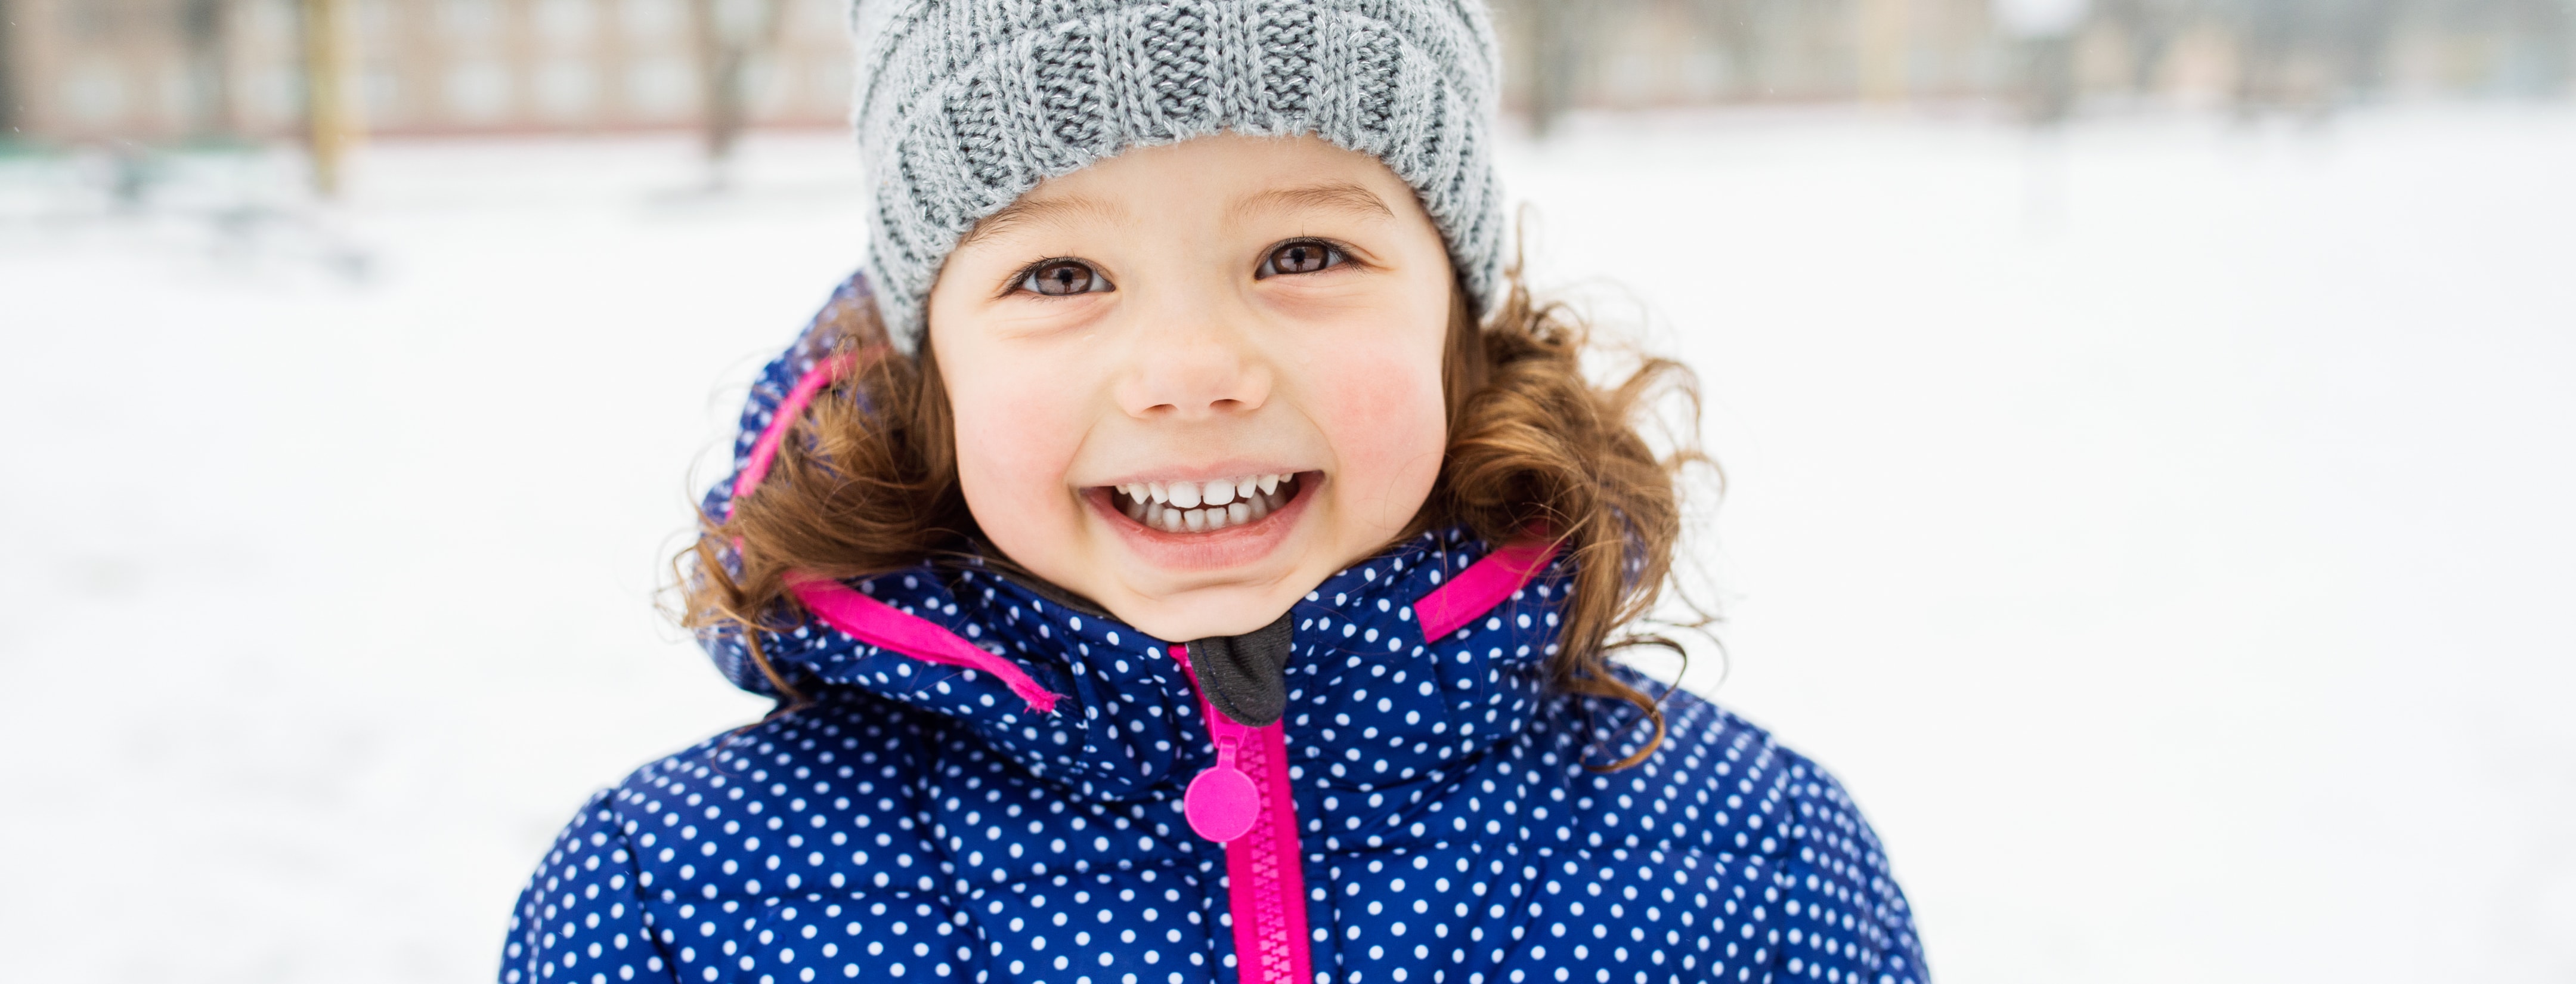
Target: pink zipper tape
<point>1265,878</point>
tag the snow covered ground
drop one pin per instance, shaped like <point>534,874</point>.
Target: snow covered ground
<point>2163,527</point>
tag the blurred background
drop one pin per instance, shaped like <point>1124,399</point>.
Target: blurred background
<point>2146,426</point>
<point>207,71</point>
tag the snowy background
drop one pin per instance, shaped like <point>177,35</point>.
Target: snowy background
<point>2162,525</point>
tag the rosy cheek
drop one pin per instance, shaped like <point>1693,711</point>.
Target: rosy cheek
<point>1387,429</point>
<point>1013,445</point>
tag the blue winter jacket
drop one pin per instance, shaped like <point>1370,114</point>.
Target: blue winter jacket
<point>921,822</point>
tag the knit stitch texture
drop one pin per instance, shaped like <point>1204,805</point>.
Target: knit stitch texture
<point>965,105</point>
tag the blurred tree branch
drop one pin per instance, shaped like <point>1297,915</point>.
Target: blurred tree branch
<point>731,35</point>
<point>203,29</point>
<point>11,109</point>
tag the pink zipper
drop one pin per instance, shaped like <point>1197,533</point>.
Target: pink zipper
<point>1243,802</point>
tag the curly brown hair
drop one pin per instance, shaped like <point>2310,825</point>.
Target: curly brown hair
<point>866,483</point>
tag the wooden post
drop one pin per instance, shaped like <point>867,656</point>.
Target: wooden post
<point>1886,42</point>
<point>9,67</point>
<point>328,127</point>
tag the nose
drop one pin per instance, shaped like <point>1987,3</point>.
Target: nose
<point>1195,365</point>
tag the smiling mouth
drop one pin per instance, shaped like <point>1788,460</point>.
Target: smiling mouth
<point>1204,507</point>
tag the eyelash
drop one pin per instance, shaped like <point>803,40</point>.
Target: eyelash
<point>1023,282</point>
<point>1336,256</point>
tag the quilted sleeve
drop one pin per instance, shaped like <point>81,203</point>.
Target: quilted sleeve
<point>1844,918</point>
<point>582,916</point>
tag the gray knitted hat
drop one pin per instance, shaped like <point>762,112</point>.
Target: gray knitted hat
<point>964,105</point>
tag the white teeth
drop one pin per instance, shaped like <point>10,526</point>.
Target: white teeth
<point>1198,507</point>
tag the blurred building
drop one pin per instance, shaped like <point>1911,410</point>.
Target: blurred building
<point>176,69</point>
<point>2052,54</point>
<point>160,70</point>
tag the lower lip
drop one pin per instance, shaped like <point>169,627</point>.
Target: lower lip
<point>1229,547</point>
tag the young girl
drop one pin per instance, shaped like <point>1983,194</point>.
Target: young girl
<point>1185,554</point>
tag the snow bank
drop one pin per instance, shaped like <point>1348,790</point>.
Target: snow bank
<point>2161,527</point>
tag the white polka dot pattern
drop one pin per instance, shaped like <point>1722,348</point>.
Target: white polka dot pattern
<point>920,823</point>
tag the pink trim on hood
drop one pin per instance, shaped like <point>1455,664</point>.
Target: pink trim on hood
<point>765,450</point>
<point>857,615</point>
<point>879,624</point>
<point>1481,587</point>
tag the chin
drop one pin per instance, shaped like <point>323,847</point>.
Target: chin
<point>1207,612</point>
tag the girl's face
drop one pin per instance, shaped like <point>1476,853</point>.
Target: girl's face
<point>1192,381</point>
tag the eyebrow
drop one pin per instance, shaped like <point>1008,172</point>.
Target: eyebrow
<point>1037,211</point>
<point>1334,196</point>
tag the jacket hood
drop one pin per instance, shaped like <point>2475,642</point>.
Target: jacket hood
<point>1373,701</point>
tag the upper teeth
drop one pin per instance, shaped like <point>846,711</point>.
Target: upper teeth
<point>1197,506</point>
<point>1189,495</point>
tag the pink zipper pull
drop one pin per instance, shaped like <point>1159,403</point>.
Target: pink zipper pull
<point>1222,802</point>
<point>1266,884</point>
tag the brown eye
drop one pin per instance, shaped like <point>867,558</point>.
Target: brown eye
<point>1059,278</point>
<point>1307,256</point>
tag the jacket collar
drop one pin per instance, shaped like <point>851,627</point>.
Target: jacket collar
<point>1362,678</point>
